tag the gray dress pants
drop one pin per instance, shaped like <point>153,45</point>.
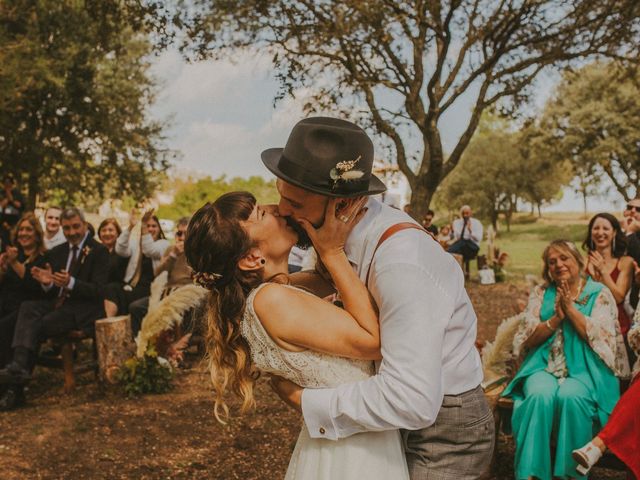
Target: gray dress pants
<point>459,445</point>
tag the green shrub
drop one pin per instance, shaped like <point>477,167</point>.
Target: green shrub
<point>145,375</point>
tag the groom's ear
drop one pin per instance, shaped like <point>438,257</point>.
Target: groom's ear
<point>254,260</point>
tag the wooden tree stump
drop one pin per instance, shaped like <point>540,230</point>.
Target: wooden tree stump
<point>114,344</point>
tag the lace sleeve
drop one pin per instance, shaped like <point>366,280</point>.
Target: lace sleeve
<point>604,336</point>
<point>530,320</point>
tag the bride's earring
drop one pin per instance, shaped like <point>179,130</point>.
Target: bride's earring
<point>263,261</point>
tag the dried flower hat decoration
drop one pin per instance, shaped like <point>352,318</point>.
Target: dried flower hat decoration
<point>344,171</point>
<point>206,279</point>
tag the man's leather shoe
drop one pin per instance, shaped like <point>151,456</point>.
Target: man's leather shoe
<point>12,398</point>
<point>14,373</point>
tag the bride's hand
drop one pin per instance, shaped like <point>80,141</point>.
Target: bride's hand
<point>288,391</point>
<point>329,239</point>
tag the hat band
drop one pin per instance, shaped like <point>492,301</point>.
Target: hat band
<point>300,174</point>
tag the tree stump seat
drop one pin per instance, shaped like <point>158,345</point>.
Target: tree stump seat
<point>66,360</point>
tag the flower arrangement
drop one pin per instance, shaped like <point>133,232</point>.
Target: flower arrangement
<point>344,171</point>
<point>497,264</point>
<point>157,354</point>
<point>85,253</point>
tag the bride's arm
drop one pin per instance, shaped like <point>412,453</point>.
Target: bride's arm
<point>297,320</point>
<point>305,321</point>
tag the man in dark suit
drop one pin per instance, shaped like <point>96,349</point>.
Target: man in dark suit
<point>74,277</point>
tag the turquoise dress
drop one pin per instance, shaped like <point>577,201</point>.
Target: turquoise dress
<point>569,408</point>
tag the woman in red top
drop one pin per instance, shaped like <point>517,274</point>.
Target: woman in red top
<point>621,434</point>
<point>607,263</point>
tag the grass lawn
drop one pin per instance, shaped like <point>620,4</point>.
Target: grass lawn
<point>530,235</point>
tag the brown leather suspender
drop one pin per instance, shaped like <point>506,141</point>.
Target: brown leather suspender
<point>387,233</point>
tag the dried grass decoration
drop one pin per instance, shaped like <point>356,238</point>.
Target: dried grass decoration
<point>151,369</point>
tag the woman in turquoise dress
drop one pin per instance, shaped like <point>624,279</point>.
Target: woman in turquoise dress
<point>567,384</point>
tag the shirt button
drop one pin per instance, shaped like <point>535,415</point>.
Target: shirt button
<point>322,431</point>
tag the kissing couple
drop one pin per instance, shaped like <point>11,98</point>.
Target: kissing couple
<point>388,377</point>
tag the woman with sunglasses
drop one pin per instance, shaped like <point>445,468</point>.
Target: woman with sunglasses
<point>607,263</point>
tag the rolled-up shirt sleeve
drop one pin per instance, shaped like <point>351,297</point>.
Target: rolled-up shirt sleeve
<point>123,248</point>
<point>407,391</point>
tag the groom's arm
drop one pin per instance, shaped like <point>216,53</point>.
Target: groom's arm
<point>407,392</point>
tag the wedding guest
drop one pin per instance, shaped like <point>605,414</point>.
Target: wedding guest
<point>621,434</point>
<point>444,236</point>
<point>74,276</point>
<point>144,256</point>
<point>631,227</point>
<point>53,234</point>
<point>11,206</point>
<point>16,283</point>
<point>427,222</point>
<point>573,351</point>
<point>11,200</point>
<point>467,235</point>
<point>607,263</point>
<point>108,232</point>
<point>174,262</point>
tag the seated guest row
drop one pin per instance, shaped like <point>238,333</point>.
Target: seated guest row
<point>45,294</point>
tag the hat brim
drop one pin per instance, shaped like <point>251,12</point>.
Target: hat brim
<point>271,157</point>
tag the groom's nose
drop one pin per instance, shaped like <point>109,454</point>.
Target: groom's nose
<point>284,209</point>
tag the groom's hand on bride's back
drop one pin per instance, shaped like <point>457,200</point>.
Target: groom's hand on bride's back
<point>289,392</point>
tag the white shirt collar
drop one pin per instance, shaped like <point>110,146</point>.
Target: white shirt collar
<point>80,245</point>
<point>355,244</point>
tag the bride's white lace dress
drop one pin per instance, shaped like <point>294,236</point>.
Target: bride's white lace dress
<point>370,456</point>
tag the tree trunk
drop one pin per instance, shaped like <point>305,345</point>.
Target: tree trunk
<point>584,201</point>
<point>494,220</point>
<point>114,344</point>
<point>34,188</point>
<point>421,197</point>
<point>539,210</point>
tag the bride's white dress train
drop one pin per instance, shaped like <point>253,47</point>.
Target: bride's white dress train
<point>369,456</point>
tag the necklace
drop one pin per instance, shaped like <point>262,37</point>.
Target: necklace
<point>577,295</point>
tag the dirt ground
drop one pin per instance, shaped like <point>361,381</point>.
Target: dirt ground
<point>97,433</point>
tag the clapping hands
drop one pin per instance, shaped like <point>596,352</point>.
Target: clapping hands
<point>8,257</point>
<point>42,275</point>
<point>61,278</point>
<point>597,262</point>
<point>564,298</point>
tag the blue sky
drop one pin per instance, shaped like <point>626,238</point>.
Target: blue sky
<point>222,116</point>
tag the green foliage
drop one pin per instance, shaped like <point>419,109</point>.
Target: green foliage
<point>191,194</point>
<point>139,376</point>
<point>526,242</point>
<point>501,167</point>
<point>594,122</point>
<point>399,67</point>
<point>74,96</point>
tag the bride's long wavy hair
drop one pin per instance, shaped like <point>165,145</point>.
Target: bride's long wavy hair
<point>214,244</point>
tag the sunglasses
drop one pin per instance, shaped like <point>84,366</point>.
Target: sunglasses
<point>633,207</point>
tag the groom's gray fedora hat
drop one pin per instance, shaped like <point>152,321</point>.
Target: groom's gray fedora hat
<point>328,156</point>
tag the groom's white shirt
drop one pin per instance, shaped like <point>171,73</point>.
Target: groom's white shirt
<point>427,329</point>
